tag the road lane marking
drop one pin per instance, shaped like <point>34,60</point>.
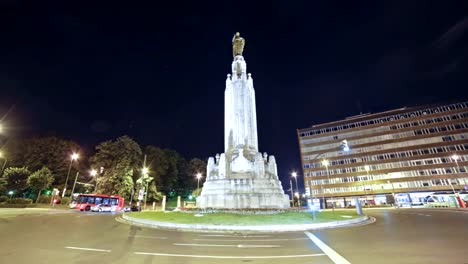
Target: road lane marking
<point>234,246</point>
<point>89,249</point>
<point>227,257</point>
<point>231,236</point>
<point>335,257</point>
<point>251,240</point>
<point>153,237</point>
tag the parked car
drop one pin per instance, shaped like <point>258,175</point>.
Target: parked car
<point>133,208</point>
<point>103,208</point>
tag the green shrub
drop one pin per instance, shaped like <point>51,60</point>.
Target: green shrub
<point>17,205</point>
<point>3,199</point>
<point>65,200</point>
<point>44,199</point>
<point>20,201</point>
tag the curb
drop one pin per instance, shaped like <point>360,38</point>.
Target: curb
<point>258,228</point>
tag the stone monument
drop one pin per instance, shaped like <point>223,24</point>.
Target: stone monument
<point>241,177</point>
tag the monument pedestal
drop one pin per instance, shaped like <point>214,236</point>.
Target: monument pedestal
<point>241,177</point>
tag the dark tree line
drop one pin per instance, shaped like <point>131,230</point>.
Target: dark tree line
<point>118,166</point>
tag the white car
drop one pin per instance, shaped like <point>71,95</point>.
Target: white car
<point>103,208</point>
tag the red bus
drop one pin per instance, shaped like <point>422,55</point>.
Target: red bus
<point>86,201</point>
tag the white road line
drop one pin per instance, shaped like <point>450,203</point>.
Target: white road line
<point>89,249</point>
<point>227,257</point>
<point>427,215</point>
<point>231,236</point>
<point>153,237</point>
<point>335,257</point>
<point>202,245</point>
<point>233,246</point>
<point>251,240</point>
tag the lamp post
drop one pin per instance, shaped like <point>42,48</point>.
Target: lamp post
<point>294,175</point>
<point>291,189</point>
<point>74,184</point>
<point>93,173</point>
<point>367,169</point>
<point>455,158</point>
<point>393,191</point>
<point>11,194</point>
<point>145,175</point>
<point>4,163</point>
<point>73,157</point>
<point>198,182</point>
<point>326,163</point>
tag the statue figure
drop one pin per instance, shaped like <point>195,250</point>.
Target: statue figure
<point>237,45</point>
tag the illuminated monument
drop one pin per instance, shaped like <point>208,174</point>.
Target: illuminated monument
<point>241,177</point>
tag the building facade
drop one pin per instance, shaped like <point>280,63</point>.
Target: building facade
<point>403,154</point>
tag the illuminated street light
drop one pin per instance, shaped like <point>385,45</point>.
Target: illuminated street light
<point>73,157</point>
<point>326,163</point>
<point>198,180</point>
<point>145,171</point>
<point>93,173</point>
<point>10,193</point>
<point>294,175</point>
<point>367,168</point>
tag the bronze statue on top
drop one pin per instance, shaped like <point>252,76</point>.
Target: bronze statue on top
<point>238,44</point>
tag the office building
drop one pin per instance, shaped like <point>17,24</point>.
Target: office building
<point>405,154</point>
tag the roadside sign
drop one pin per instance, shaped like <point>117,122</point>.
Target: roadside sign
<point>141,193</point>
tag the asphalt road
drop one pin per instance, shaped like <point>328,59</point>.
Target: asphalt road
<point>398,236</point>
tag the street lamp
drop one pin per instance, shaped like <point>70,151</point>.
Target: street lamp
<point>198,182</point>
<point>393,191</point>
<point>73,157</point>
<point>367,169</point>
<point>11,194</point>
<point>294,175</point>
<point>93,173</point>
<point>4,163</point>
<point>326,163</point>
<point>455,158</point>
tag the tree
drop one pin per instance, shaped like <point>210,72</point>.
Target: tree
<point>16,178</point>
<point>40,180</point>
<point>52,152</point>
<point>121,160</point>
<point>3,184</point>
<point>197,165</point>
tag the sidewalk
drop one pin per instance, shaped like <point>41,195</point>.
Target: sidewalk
<point>230,228</point>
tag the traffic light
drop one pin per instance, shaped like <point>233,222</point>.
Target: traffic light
<point>344,145</point>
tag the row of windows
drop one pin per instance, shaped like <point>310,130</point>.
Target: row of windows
<point>385,166</point>
<point>406,134</point>
<point>393,175</point>
<point>393,127</point>
<point>386,119</point>
<point>415,143</point>
<point>391,187</point>
<point>393,155</point>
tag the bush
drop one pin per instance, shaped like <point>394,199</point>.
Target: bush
<point>20,201</point>
<point>17,205</point>
<point>3,199</point>
<point>44,199</point>
<point>65,200</point>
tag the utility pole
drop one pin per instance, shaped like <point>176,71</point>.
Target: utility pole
<point>292,195</point>
<point>73,189</point>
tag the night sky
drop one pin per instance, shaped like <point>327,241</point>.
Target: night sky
<point>93,71</point>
